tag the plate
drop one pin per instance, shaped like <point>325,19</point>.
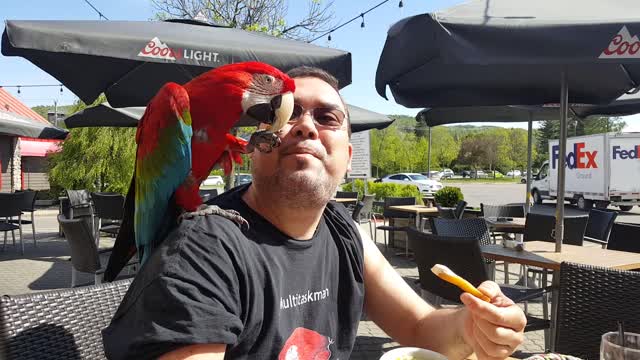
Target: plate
<point>416,353</point>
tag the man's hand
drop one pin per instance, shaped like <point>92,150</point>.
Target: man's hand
<point>494,330</point>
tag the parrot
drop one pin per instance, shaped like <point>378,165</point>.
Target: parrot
<point>182,135</point>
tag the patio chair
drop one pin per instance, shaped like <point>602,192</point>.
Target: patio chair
<point>599,226</point>
<point>508,210</point>
<point>388,216</point>
<point>80,206</point>
<point>365,215</point>
<point>446,212</point>
<point>58,324</point>
<point>208,194</point>
<point>348,195</point>
<point>624,237</point>
<point>28,206</point>
<point>108,213</point>
<point>591,301</point>
<point>463,256</point>
<point>459,211</point>
<point>10,209</point>
<point>85,255</point>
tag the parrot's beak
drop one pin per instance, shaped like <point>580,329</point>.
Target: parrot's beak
<point>283,110</point>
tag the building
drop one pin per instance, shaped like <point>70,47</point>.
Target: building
<point>25,140</point>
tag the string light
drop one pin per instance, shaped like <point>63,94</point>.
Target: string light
<point>18,89</point>
<point>361,15</point>
<point>60,89</point>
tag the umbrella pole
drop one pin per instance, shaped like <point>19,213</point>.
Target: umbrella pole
<point>564,107</point>
<point>429,156</point>
<point>529,146</point>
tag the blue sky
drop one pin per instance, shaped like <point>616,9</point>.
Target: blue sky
<point>365,44</point>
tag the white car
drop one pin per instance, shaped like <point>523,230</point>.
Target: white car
<point>423,183</point>
<point>514,173</point>
<point>447,173</point>
<point>213,180</point>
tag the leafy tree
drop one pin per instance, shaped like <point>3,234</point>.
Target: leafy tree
<point>266,16</point>
<point>94,158</point>
<point>445,149</point>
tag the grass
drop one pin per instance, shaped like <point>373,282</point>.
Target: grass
<point>482,180</point>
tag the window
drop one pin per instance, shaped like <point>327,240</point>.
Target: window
<point>397,177</point>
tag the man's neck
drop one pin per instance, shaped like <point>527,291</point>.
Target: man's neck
<point>298,223</point>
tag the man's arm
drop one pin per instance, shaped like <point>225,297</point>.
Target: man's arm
<point>197,352</point>
<point>490,330</point>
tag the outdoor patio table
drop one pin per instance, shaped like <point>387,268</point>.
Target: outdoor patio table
<point>418,211</point>
<point>515,225</point>
<point>542,254</point>
<point>345,200</point>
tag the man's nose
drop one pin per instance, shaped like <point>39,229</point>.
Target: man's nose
<point>305,127</point>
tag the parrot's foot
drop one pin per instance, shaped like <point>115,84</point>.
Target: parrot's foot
<point>204,210</point>
<point>264,141</point>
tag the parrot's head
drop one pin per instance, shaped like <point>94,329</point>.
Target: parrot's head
<point>267,93</point>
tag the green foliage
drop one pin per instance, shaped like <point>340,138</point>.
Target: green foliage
<point>383,190</point>
<point>96,159</point>
<point>448,196</point>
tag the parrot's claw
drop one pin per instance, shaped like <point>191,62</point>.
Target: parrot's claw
<point>264,141</point>
<point>204,210</point>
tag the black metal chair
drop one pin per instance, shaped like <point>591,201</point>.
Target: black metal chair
<point>348,195</point>
<point>463,256</point>
<point>591,301</point>
<point>208,194</point>
<point>510,210</point>
<point>624,237</point>
<point>108,213</point>
<point>85,255</point>
<point>459,211</point>
<point>28,206</point>
<point>58,324</point>
<point>10,210</point>
<point>446,212</point>
<point>599,226</point>
<point>388,215</point>
<point>540,227</point>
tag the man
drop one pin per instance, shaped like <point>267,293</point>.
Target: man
<point>293,285</point>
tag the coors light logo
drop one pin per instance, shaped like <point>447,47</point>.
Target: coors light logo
<point>157,50</point>
<point>623,45</point>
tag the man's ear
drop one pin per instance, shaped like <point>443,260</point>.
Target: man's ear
<point>350,157</point>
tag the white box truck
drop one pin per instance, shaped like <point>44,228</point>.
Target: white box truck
<point>602,169</point>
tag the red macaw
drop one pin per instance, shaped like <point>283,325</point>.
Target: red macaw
<point>182,135</point>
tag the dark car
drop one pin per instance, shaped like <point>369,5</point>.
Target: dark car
<point>243,179</point>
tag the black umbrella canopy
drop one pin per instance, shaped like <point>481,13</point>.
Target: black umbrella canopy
<point>130,60</point>
<point>16,125</point>
<point>105,115</point>
<point>505,52</point>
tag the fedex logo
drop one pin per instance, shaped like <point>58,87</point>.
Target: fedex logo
<point>625,154</point>
<point>578,158</point>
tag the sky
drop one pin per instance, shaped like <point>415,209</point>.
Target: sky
<point>365,44</point>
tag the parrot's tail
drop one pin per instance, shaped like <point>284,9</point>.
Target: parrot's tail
<point>125,246</point>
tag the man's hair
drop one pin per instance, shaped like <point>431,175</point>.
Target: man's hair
<point>314,72</point>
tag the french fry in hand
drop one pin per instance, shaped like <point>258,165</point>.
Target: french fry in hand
<point>449,276</point>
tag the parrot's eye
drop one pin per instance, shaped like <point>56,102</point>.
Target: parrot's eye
<point>269,79</point>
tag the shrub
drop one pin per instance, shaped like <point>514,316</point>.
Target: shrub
<point>383,190</point>
<point>448,196</point>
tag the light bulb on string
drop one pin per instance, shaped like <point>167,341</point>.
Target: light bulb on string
<point>362,23</point>
<point>329,37</point>
<point>400,5</point>
<point>18,89</point>
<point>61,89</point>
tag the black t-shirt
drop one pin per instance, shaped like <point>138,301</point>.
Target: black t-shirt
<point>260,292</point>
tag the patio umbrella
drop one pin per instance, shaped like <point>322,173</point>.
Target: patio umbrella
<point>624,105</point>
<point>106,115</point>
<point>506,52</point>
<point>130,60</point>
<point>13,124</point>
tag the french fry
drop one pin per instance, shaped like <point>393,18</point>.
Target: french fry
<point>449,276</point>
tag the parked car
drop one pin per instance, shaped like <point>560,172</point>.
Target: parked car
<point>425,185</point>
<point>242,179</point>
<point>474,174</point>
<point>447,173</point>
<point>213,180</point>
<point>435,175</point>
<point>514,173</point>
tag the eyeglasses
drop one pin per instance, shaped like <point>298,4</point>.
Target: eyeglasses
<point>325,117</point>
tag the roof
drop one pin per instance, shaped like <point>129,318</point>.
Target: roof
<point>11,104</point>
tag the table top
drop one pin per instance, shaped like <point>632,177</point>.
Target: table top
<point>416,209</point>
<point>514,223</point>
<point>342,200</point>
<point>542,254</point>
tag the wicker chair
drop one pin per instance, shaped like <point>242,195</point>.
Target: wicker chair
<point>624,237</point>
<point>108,212</point>
<point>446,212</point>
<point>388,215</point>
<point>463,256</point>
<point>599,226</point>
<point>59,324</point>
<point>591,300</point>
<point>516,210</point>
<point>11,208</point>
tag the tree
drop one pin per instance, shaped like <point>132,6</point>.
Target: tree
<point>444,148</point>
<point>95,158</point>
<point>266,16</point>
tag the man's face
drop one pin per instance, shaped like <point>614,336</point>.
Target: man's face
<point>311,161</point>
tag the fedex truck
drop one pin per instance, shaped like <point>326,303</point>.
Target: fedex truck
<point>601,170</point>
